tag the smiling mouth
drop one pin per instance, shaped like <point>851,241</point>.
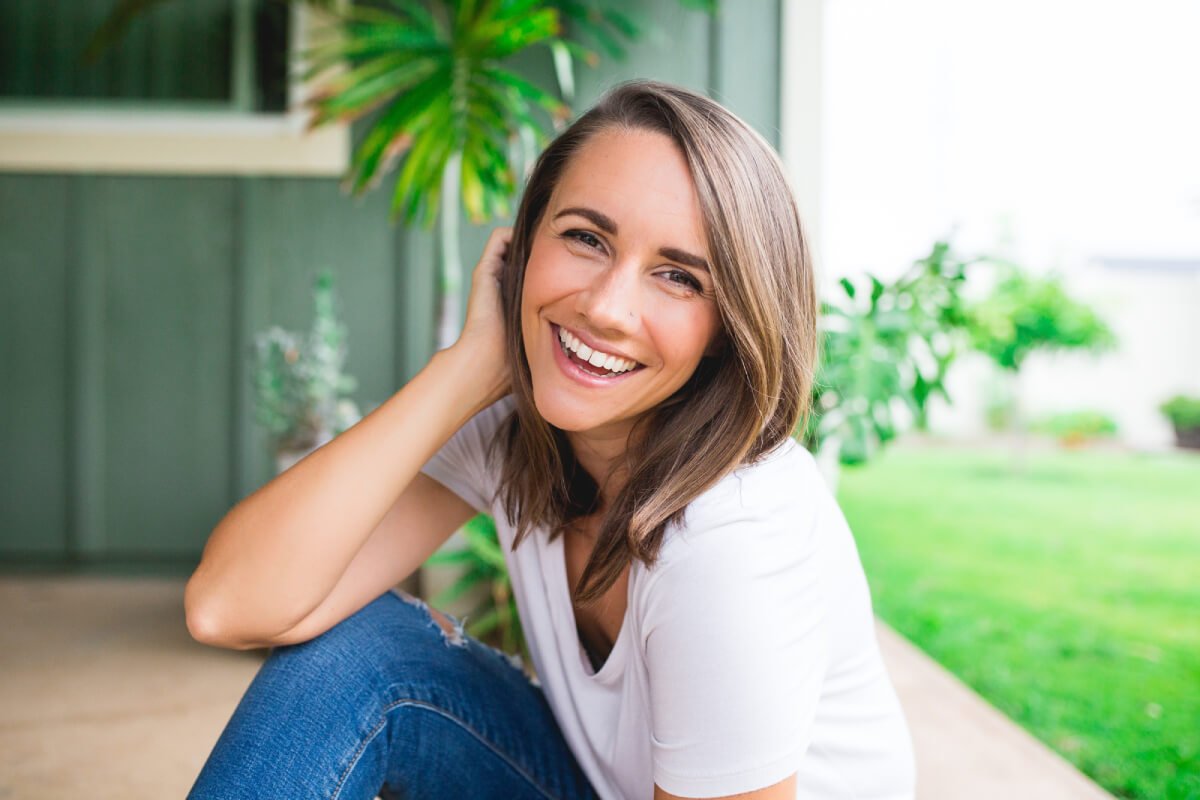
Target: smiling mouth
<point>592,362</point>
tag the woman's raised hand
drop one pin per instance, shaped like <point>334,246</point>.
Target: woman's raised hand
<point>482,339</point>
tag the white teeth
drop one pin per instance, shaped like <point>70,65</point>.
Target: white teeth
<point>596,358</point>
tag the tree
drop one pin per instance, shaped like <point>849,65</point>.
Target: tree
<point>1024,314</point>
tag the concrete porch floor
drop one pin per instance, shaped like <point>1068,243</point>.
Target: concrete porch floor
<point>103,694</point>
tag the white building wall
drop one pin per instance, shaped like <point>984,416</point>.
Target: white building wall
<point>1058,133</point>
<point>1155,314</point>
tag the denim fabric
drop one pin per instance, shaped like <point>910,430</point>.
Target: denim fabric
<point>386,703</point>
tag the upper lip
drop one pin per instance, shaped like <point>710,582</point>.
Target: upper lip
<point>603,348</point>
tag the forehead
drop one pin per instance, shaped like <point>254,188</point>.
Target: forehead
<point>641,180</point>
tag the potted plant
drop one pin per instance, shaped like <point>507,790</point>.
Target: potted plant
<point>301,392</point>
<point>1183,411</point>
<point>1075,429</point>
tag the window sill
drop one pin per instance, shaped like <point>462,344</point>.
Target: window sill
<point>169,142</point>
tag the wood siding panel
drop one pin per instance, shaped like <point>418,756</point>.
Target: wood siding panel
<point>745,68</point>
<point>674,47</point>
<point>33,365</point>
<point>160,253</point>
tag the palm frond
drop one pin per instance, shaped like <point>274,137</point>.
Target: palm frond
<point>442,91</point>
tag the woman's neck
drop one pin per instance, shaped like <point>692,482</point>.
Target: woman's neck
<point>598,453</point>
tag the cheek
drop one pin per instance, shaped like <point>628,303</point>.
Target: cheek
<point>533,291</point>
<point>548,278</point>
<point>682,334</point>
<point>537,285</point>
<point>540,290</point>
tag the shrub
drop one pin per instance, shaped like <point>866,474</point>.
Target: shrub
<point>1183,411</point>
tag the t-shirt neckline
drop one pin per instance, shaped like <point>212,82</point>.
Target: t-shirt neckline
<point>613,664</point>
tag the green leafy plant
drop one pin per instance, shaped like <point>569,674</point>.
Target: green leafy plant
<point>1183,412</point>
<point>886,345</point>
<point>482,560</point>
<point>301,392</point>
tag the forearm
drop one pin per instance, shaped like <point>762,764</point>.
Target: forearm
<point>279,552</point>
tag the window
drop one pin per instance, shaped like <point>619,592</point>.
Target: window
<point>187,86</point>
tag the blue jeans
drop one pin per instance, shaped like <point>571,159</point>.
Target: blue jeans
<point>388,703</point>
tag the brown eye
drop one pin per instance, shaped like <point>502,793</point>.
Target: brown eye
<point>683,278</point>
<point>586,238</point>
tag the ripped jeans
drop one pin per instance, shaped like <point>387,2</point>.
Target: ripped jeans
<point>391,702</point>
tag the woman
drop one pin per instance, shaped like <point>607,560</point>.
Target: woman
<point>637,351</point>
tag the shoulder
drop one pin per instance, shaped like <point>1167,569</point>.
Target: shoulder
<point>783,489</point>
<point>748,569</point>
<point>785,478</point>
<point>756,519</point>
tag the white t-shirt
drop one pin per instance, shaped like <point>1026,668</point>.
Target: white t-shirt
<point>746,654</point>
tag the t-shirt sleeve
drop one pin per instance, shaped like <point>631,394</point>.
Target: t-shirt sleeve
<point>461,463</point>
<point>736,652</point>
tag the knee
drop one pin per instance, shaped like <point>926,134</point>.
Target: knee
<point>341,650</point>
<point>379,640</point>
<point>452,629</point>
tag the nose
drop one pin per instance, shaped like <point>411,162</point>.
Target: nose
<point>612,301</point>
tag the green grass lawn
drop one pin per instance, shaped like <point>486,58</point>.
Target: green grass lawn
<point>1067,594</point>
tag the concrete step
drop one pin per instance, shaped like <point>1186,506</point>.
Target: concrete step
<point>105,695</point>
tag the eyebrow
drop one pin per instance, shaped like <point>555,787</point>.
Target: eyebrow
<point>606,224</point>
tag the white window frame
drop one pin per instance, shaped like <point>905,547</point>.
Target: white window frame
<point>179,142</point>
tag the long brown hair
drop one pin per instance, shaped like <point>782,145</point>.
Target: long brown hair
<point>738,404</point>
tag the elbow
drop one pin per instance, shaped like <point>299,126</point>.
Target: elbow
<point>206,630</point>
<point>203,630</point>
<point>204,624</point>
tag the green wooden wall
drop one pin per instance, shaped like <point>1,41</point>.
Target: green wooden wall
<point>128,306</point>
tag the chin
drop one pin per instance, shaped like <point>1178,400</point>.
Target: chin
<point>566,413</point>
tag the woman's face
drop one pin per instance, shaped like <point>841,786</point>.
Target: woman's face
<point>618,269</point>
